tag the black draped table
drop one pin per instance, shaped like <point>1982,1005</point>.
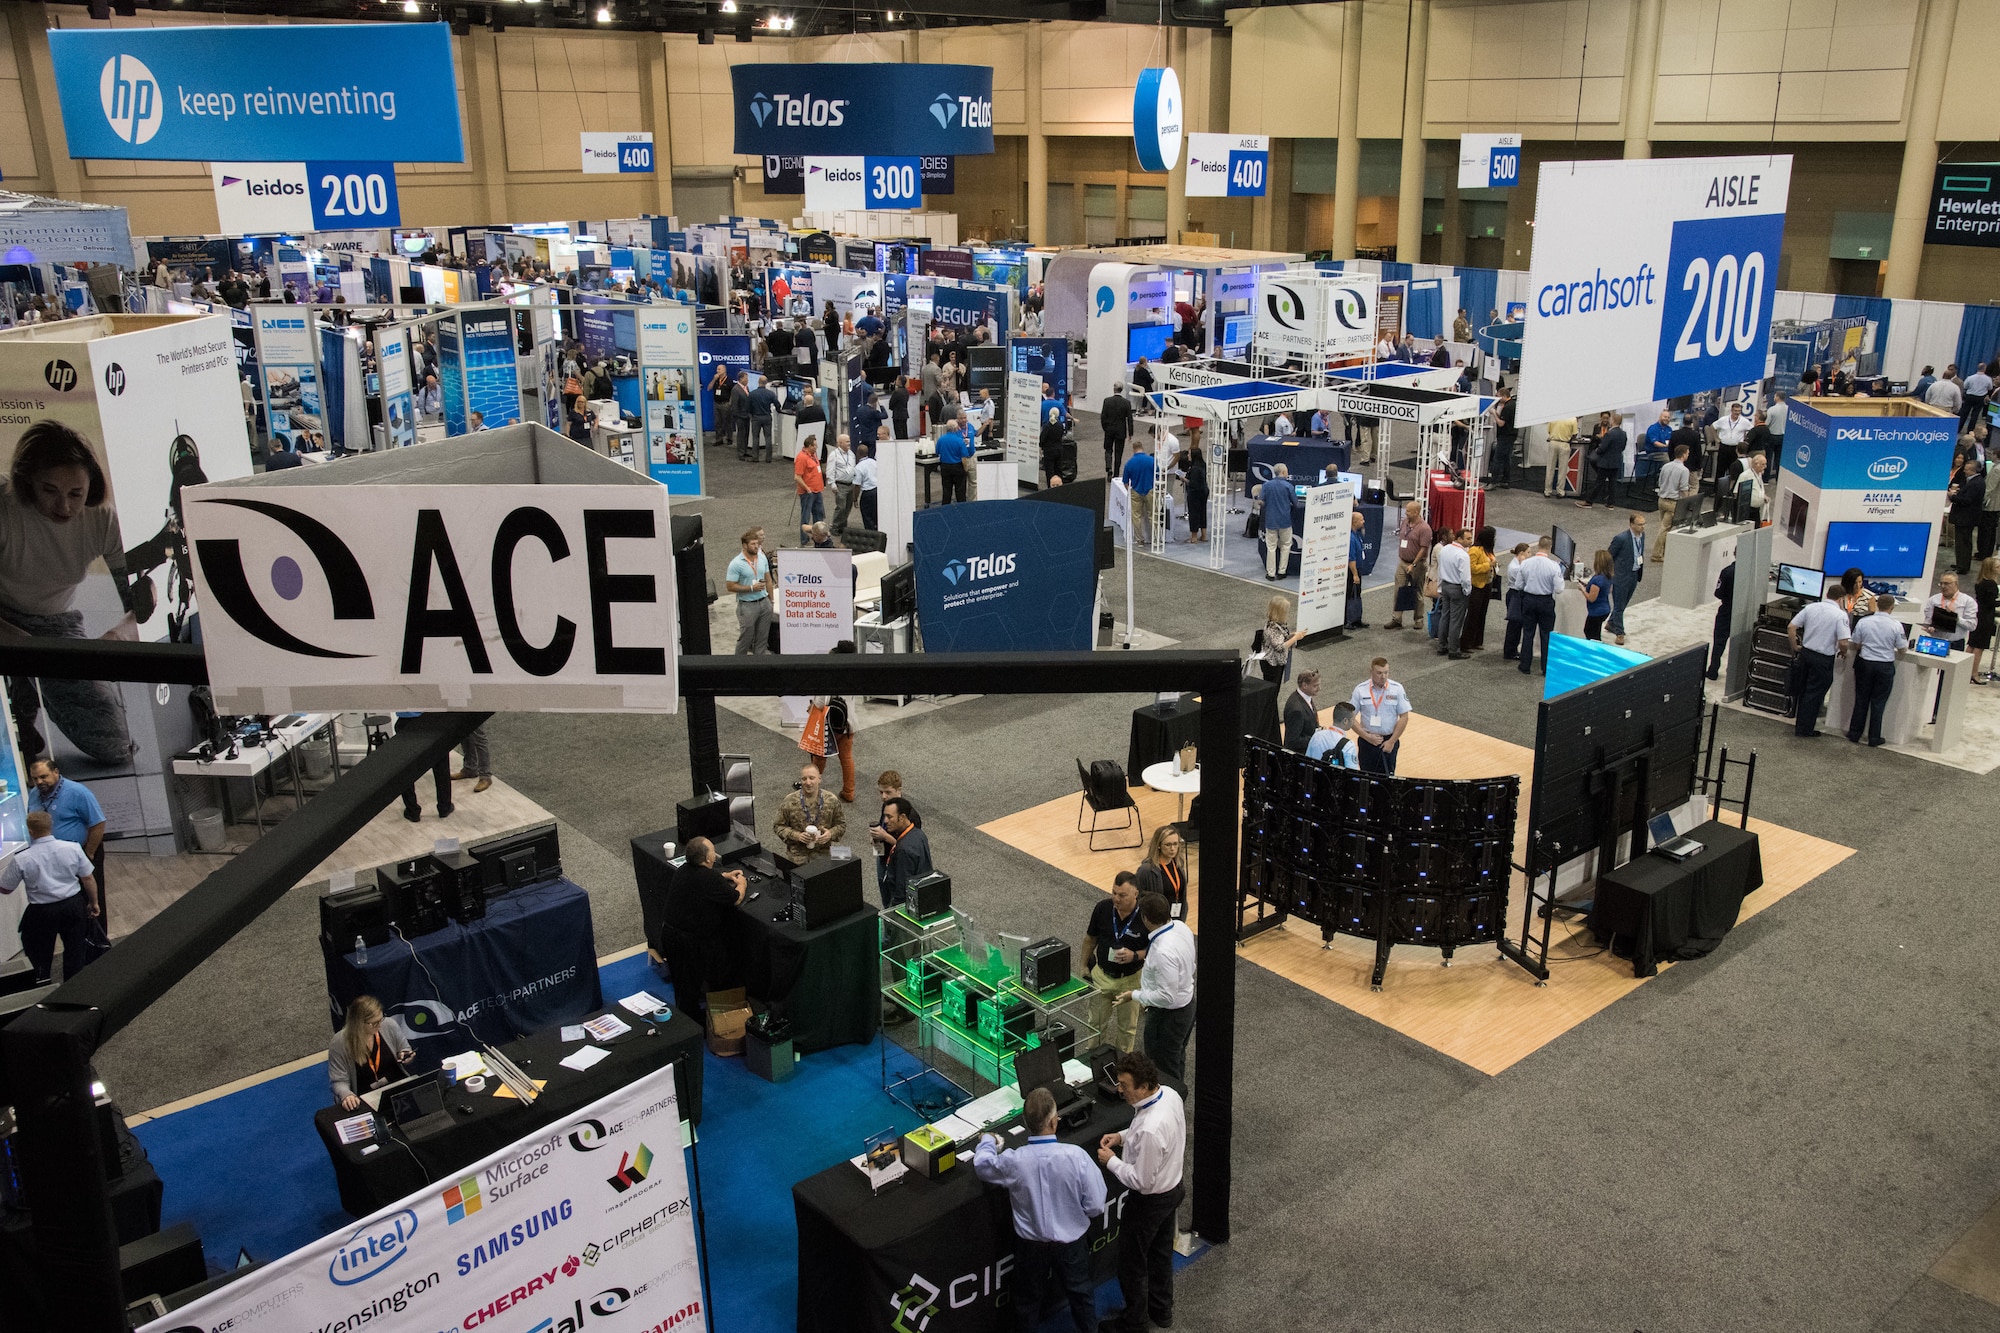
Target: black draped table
<point>884,1263</point>
<point>375,1174</point>
<point>1678,909</point>
<point>1159,730</point>
<point>827,981</point>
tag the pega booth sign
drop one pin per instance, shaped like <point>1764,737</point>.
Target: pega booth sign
<point>842,110</point>
<point>395,591</point>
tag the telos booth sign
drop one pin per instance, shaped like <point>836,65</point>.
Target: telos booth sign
<point>851,110</point>
<point>1673,300</point>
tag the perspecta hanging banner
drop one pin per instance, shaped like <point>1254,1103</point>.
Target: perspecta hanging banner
<point>863,110</point>
<point>266,93</point>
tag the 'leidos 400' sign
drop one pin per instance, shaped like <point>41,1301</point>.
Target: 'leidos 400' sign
<point>530,598</point>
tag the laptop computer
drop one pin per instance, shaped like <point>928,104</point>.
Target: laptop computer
<point>1041,1067</point>
<point>416,1106</point>
<point>1932,646</point>
<point>1670,844</point>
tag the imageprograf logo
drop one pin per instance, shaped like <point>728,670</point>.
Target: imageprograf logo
<point>222,565</point>
<point>632,1169</point>
<point>131,96</point>
<point>944,110</point>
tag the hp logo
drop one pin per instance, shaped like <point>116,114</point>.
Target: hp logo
<point>61,376</point>
<point>114,378</point>
<point>131,97</point>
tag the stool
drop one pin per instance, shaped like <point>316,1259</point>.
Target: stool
<point>378,729</point>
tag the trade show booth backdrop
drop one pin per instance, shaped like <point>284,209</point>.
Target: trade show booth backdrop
<point>1005,576</point>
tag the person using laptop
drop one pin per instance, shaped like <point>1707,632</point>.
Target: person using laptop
<point>1055,1190</point>
<point>370,1049</point>
<point>1950,614</point>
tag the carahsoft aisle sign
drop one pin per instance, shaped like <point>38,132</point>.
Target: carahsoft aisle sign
<point>262,93</point>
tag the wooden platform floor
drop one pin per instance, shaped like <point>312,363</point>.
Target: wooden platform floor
<point>141,886</point>
<point>1482,1010</point>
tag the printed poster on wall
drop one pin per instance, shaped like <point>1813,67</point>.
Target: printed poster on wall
<point>587,1221</point>
<point>667,387</point>
<point>291,379</point>
<point>815,599</point>
<point>399,408</point>
<point>1323,557</point>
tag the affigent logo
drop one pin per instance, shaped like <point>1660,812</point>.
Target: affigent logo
<point>131,97</point>
<point>944,110</point>
<point>760,109</point>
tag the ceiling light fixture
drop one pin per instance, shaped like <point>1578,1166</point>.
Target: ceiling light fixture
<point>409,6</point>
<point>604,13</point>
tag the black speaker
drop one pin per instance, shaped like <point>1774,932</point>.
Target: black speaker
<point>828,890</point>
<point>1045,965</point>
<point>930,896</point>
<point>358,911</point>
<point>413,894</point>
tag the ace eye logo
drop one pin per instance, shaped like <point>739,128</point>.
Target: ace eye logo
<point>1350,307</point>
<point>222,565</point>
<point>114,378</point>
<point>944,110</point>
<point>61,375</point>
<point>760,109</point>
<point>1284,306</point>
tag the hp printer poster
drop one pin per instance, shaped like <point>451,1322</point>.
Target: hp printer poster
<point>667,393</point>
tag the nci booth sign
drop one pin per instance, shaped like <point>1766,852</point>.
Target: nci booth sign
<point>269,92</point>
<point>1673,299</point>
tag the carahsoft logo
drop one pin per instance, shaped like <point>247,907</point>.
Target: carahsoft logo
<point>131,98</point>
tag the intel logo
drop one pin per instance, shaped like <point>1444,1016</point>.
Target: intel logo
<point>1888,469</point>
<point>371,1249</point>
<point>1803,455</point>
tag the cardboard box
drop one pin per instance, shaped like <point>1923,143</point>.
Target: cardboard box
<point>728,1015</point>
<point>929,1151</point>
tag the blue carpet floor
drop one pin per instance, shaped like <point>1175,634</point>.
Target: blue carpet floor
<point>248,1170</point>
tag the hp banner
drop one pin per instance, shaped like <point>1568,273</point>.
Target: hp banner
<point>848,110</point>
<point>1674,299</point>
<point>587,1222</point>
<point>1002,576</point>
<point>268,93</point>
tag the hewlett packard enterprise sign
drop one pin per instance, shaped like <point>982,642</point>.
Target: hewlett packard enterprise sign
<point>857,110</point>
<point>1965,205</point>
<point>260,93</point>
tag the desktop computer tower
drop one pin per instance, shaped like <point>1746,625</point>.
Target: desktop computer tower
<point>828,890</point>
<point>348,913</point>
<point>414,895</point>
<point>462,882</point>
<point>930,896</point>
<point>1044,965</point>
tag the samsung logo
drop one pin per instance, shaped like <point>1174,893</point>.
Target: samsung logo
<point>1888,469</point>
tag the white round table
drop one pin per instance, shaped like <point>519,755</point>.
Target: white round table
<point>1161,777</point>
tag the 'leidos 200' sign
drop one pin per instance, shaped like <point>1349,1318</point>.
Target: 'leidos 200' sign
<point>529,598</point>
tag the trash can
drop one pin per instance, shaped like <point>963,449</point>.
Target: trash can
<point>207,823</point>
<point>767,1048</point>
<point>315,761</point>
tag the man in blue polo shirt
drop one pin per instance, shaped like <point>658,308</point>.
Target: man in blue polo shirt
<point>1274,500</point>
<point>76,814</point>
<point>1138,477</point>
<point>870,324</point>
<point>953,450</point>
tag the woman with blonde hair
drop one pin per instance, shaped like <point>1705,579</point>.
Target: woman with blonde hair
<point>1277,639</point>
<point>369,1050</point>
<point>1164,871</point>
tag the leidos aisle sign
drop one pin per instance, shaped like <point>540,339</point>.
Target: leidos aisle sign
<point>609,154</point>
<point>536,598</point>
<point>257,198</point>
<point>1675,299</point>
<point>271,92</point>
<point>1227,165</point>
<point>840,184</point>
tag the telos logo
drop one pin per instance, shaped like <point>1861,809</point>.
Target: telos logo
<point>1888,469</point>
<point>760,109</point>
<point>801,111</point>
<point>972,113</point>
<point>944,110</point>
<point>979,567</point>
<point>131,98</point>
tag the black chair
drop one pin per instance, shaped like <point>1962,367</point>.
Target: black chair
<point>378,725</point>
<point>1104,797</point>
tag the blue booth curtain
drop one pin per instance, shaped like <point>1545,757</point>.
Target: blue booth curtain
<point>1394,272</point>
<point>1479,292</point>
<point>1423,313</point>
<point>1978,336</point>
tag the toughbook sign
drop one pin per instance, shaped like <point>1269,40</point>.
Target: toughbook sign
<point>1361,405</point>
<point>1243,408</point>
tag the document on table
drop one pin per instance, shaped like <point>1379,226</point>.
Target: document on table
<point>356,1128</point>
<point>573,1032</point>
<point>606,1026</point>
<point>643,1003</point>
<point>466,1065</point>
<point>584,1057</point>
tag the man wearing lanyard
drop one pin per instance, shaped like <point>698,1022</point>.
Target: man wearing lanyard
<point>952,451</point>
<point>1454,573</point>
<point>908,857</point>
<point>1817,633</point>
<point>809,821</point>
<point>1055,1190</point>
<point>1355,549</point>
<point>1381,711</point>
<point>1659,435</point>
<point>1673,485</point>
<point>1146,1159</point>
<point>1878,638</point>
<point>1166,987</point>
<point>749,577</point>
<point>75,812</point>
<point>1114,948</point>
<point>62,898</point>
<point>1541,579</point>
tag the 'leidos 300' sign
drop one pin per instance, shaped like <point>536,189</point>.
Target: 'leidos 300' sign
<point>530,598</point>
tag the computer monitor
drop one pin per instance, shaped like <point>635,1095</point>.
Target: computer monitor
<point>1798,581</point>
<point>1039,1067</point>
<point>1563,548</point>
<point>519,858</point>
<point>1235,331</point>
<point>1148,340</point>
<point>899,592</point>
<point>414,1100</point>
<point>1879,550</point>
<point>1661,826</point>
<point>374,384</point>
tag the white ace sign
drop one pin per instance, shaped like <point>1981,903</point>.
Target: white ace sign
<point>1649,280</point>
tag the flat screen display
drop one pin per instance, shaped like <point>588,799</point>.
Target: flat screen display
<point>1879,550</point>
<point>1236,331</point>
<point>1147,340</point>
<point>1801,582</point>
<point>1563,548</point>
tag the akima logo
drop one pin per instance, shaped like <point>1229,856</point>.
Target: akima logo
<point>944,110</point>
<point>1888,469</point>
<point>222,565</point>
<point>760,109</point>
<point>131,97</point>
<point>60,374</point>
<point>632,1169</point>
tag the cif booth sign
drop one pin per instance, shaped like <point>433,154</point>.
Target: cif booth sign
<point>266,93</point>
<point>1879,467</point>
<point>1673,299</point>
<point>850,110</point>
<point>391,590</point>
<point>1306,314</point>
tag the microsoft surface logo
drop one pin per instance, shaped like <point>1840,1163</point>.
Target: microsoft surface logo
<point>632,1174</point>
<point>461,1200</point>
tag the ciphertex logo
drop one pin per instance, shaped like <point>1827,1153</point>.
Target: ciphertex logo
<point>632,1170</point>
<point>461,1201</point>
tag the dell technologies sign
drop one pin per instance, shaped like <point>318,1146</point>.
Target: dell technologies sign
<point>260,93</point>
<point>852,110</point>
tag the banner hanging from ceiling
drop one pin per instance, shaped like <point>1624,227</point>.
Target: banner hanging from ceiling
<point>1674,299</point>
<point>847,110</point>
<point>280,92</point>
<point>1228,166</point>
<point>1156,119</point>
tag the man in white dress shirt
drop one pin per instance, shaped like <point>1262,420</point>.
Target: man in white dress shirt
<point>1146,1159</point>
<point>1454,575</point>
<point>1166,987</point>
<point>1818,634</point>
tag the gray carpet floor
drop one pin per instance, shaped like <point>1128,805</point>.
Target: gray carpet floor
<point>1785,1135</point>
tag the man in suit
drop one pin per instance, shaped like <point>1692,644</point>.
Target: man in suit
<point>1628,566</point>
<point>1301,713</point>
<point>1607,461</point>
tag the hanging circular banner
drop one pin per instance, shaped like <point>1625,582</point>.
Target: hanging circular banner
<point>1156,119</point>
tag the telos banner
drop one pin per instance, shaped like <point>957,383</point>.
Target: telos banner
<point>1673,299</point>
<point>855,109</point>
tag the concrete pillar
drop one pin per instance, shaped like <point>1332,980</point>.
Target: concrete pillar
<point>38,90</point>
<point>1038,142</point>
<point>653,114</point>
<point>1920,150</point>
<point>1177,53</point>
<point>1410,182</point>
<point>485,140</point>
<point>1452,251</point>
<point>1642,72</point>
<point>1347,168</point>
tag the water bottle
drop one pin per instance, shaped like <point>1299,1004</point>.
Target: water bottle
<point>360,951</point>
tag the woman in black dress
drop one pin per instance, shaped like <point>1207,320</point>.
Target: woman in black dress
<point>1986,592</point>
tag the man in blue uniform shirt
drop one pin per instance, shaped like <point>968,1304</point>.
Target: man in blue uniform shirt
<point>1138,478</point>
<point>954,448</point>
<point>77,816</point>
